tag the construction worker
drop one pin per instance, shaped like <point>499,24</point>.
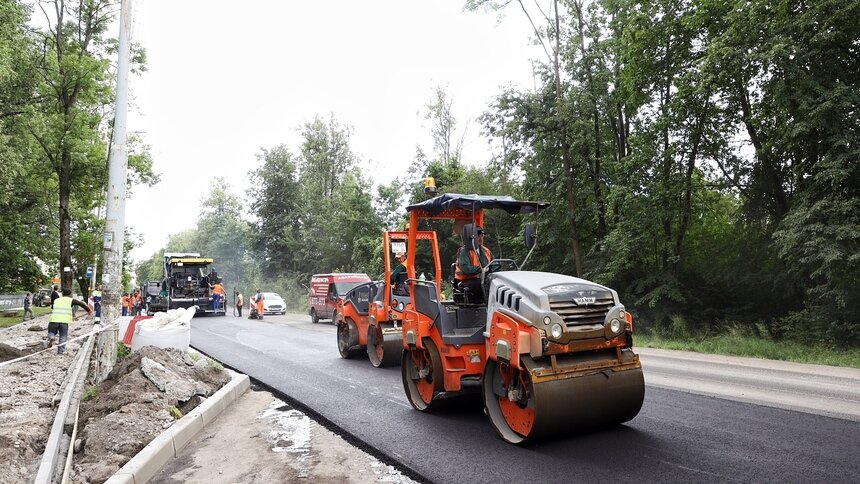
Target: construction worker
<point>217,295</point>
<point>398,275</point>
<point>54,295</point>
<point>240,302</point>
<point>28,306</point>
<point>259,300</point>
<point>61,316</point>
<point>470,262</point>
<point>125,304</point>
<point>97,304</point>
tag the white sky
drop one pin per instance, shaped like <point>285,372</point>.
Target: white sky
<point>225,79</point>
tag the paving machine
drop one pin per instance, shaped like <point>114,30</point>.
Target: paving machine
<point>550,353</point>
<point>370,315</point>
<point>188,280</point>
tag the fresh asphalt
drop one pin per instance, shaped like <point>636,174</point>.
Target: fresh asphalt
<point>677,436</point>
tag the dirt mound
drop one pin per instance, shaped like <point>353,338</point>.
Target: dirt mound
<point>143,395</point>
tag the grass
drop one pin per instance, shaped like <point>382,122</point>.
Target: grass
<point>6,321</point>
<point>756,347</point>
<point>212,362</point>
<point>90,393</point>
<point>175,412</point>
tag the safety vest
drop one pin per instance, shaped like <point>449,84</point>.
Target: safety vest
<point>62,312</point>
<point>218,289</point>
<point>97,296</point>
<point>473,256</point>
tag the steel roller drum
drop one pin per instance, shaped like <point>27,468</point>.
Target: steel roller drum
<point>387,353</point>
<point>574,402</point>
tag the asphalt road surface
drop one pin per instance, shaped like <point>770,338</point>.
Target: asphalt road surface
<point>697,423</point>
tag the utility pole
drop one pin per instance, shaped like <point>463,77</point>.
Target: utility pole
<point>114,236</point>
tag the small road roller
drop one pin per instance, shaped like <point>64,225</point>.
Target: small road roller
<point>369,316</point>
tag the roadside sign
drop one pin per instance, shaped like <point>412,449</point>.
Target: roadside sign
<point>89,271</point>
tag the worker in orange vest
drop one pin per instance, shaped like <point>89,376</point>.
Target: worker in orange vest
<point>217,295</point>
<point>470,263</point>
<point>125,304</point>
<point>259,299</point>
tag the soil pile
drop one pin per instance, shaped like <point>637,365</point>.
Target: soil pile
<point>144,394</point>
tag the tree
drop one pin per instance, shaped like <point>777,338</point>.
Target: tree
<point>73,88</point>
<point>550,38</point>
<point>275,206</point>
<point>223,234</point>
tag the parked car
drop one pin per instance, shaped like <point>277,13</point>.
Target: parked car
<point>42,298</point>
<point>273,303</point>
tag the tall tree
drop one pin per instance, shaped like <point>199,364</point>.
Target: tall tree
<point>275,196</point>
<point>75,85</point>
<point>223,234</point>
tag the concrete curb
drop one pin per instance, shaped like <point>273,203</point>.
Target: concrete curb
<point>150,460</point>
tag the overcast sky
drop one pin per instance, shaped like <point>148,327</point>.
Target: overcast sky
<point>225,79</point>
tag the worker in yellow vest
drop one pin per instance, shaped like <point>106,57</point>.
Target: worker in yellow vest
<point>61,316</point>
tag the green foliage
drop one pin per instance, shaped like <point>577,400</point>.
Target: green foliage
<point>756,347</point>
<point>55,106</point>
<point>174,412</point>
<point>122,351</point>
<point>91,392</point>
<point>215,364</point>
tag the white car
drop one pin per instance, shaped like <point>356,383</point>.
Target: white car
<point>273,303</point>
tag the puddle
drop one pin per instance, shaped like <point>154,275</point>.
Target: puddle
<point>387,473</point>
<point>291,432</point>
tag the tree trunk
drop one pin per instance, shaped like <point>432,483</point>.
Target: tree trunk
<point>65,182</point>
<point>666,175</point>
<point>686,206</point>
<point>565,153</point>
<point>772,179</point>
<point>596,175</point>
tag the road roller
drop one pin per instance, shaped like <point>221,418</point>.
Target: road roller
<point>369,316</point>
<point>551,354</point>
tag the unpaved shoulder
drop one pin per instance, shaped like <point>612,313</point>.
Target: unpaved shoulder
<point>260,439</point>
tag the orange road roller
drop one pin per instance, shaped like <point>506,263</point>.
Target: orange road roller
<point>550,353</point>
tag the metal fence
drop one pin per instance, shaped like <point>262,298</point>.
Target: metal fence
<point>11,303</point>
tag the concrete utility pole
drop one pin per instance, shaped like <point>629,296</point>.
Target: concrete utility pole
<point>115,217</point>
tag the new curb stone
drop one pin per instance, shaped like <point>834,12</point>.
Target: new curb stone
<point>149,461</point>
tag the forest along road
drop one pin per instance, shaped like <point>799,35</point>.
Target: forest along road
<point>691,428</point>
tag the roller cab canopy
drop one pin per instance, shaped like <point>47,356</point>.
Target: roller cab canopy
<point>449,201</point>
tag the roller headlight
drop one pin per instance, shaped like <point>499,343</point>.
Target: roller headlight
<point>547,320</point>
<point>615,326</point>
<point>556,331</point>
<point>400,306</point>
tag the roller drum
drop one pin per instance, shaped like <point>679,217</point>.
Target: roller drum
<point>576,401</point>
<point>383,349</point>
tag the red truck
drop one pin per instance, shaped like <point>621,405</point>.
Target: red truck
<point>326,289</point>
